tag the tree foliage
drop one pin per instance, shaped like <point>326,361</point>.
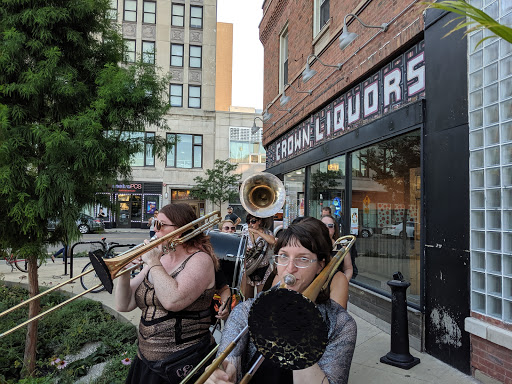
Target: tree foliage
<point>65,107</point>
<point>219,184</point>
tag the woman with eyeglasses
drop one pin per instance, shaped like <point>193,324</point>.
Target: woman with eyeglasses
<point>304,249</point>
<point>339,284</point>
<point>257,255</point>
<point>228,226</point>
<point>174,290</point>
<point>334,233</point>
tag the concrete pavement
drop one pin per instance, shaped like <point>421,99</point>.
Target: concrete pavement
<point>371,345</point>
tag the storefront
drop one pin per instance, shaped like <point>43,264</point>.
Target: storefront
<point>185,196</point>
<point>360,155</point>
<point>131,205</point>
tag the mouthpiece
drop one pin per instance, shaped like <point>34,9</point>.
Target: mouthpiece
<point>289,279</point>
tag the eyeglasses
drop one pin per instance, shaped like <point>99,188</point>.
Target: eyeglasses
<point>229,228</point>
<point>299,262</point>
<point>330,225</point>
<point>159,224</point>
<point>252,221</point>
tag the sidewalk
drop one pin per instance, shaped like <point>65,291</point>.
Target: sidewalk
<point>371,345</point>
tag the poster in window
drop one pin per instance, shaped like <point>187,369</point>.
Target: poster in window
<point>354,221</point>
<point>151,207</point>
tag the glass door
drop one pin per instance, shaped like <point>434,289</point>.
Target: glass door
<point>124,211</point>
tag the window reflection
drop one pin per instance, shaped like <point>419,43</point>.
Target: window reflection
<point>386,199</point>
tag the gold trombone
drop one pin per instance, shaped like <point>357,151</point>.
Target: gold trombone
<point>307,299</point>
<point>111,268</point>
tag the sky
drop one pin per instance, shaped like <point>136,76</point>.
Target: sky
<point>245,15</point>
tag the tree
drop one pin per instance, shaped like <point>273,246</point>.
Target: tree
<point>69,117</point>
<point>219,185</point>
<point>478,19</point>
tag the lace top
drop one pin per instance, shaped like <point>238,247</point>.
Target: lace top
<point>163,332</point>
<point>336,360</point>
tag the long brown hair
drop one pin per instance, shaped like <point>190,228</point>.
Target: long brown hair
<point>313,235</point>
<point>181,214</point>
<point>336,227</point>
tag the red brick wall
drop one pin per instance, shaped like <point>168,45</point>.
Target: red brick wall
<point>493,360</point>
<point>299,16</point>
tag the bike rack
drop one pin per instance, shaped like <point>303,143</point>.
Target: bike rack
<point>71,256</point>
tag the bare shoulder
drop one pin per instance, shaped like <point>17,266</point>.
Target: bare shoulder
<point>201,259</point>
<point>339,278</point>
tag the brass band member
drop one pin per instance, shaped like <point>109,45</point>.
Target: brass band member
<point>174,290</point>
<point>257,256</point>
<point>302,251</point>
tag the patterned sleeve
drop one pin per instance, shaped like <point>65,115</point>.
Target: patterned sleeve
<point>337,358</point>
<point>236,322</point>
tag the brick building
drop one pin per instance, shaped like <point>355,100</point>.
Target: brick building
<point>379,132</point>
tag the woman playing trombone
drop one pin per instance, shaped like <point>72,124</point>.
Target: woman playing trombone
<point>174,291</point>
<point>302,251</point>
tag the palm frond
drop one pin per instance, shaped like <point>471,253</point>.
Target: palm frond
<point>478,19</point>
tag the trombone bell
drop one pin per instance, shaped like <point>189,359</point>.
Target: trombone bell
<point>262,194</point>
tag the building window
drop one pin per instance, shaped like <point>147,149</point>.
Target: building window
<point>194,96</point>
<point>112,11</point>
<point>145,157</point>
<point>245,147</point>
<point>129,51</point>
<point>195,56</point>
<point>196,17</point>
<point>148,52</point>
<point>176,95</point>
<point>178,15</point>
<point>149,16</point>
<point>321,15</point>
<point>184,151</point>
<point>130,10</point>
<point>283,59</point>
<point>176,55</point>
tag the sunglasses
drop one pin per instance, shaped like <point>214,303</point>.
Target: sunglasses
<point>330,225</point>
<point>228,228</point>
<point>252,221</point>
<point>159,225</point>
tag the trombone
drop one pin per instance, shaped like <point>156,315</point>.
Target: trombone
<point>109,269</point>
<point>270,305</point>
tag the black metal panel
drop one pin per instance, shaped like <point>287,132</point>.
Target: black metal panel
<point>401,121</point>
<point>446,194</point>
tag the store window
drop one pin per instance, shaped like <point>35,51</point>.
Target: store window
<point>151,204</point>
<point>294,205</point>
<point>327,189</point>
<point>385,212</point>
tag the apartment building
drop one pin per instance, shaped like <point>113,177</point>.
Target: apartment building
<point>182,38</point>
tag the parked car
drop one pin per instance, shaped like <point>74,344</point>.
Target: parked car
<point>396,229</point>
<point>365,232</point>
<point>85,224</point>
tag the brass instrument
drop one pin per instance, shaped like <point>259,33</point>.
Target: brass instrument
<point>262,194</point>
<point>111,268</point>
<point>279,300</point>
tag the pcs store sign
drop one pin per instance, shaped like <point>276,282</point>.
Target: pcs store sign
<point>397,84</point>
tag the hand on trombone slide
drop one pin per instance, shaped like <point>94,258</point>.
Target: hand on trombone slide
<point>226,375</point>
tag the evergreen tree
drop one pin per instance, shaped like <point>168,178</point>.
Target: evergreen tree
<point>219,185</point>
<point>68,111</point>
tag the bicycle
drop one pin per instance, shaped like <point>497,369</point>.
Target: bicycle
<point>91,279</point>
<point>21,264</point>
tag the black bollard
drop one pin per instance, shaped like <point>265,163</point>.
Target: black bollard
<point>399,355</point>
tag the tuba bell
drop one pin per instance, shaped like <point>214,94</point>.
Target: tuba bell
<point>262,194</point>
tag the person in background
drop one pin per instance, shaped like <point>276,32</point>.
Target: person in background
<point>326,211</point>
<point>257,255</point>
<point>151,224</point>
<point>334,233</point>
<point>228,226</point>
<point>174,290</point>
<point>101,214</point>
<point>232,216</point>
<point>303,249</point>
